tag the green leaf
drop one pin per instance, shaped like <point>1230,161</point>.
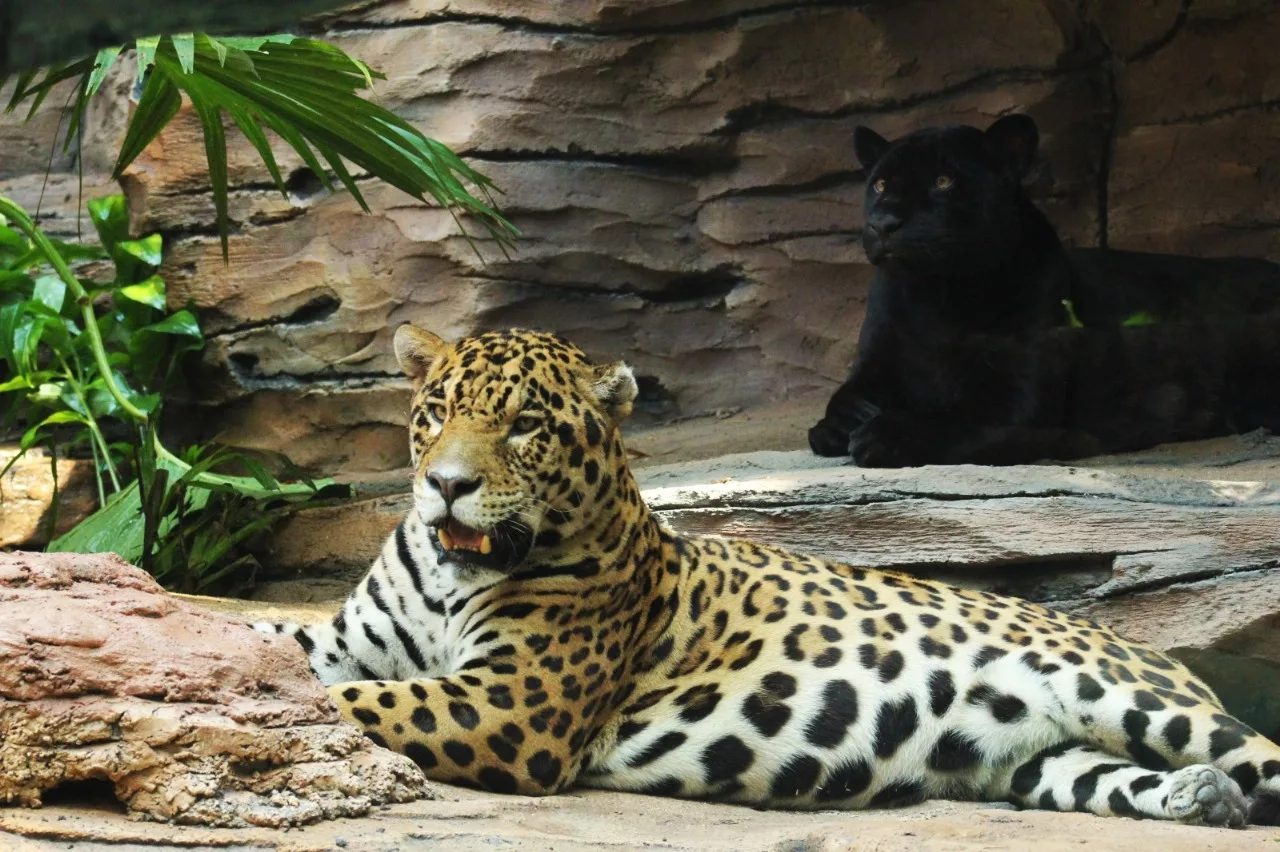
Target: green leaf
<point>181,323</point>
<point>157,105</point>
<point>110,219</point>
<point>1140,318</point>
<point>215,150</point>
<point>48,392</point>
<point>146,51</point>
<point>114,528</point>
<point>1072,319</point>
<point>50,290</point>
<point>184,45</point>
<point>32,436</point>
<point>101,65</point>
<point>149,249</point>
<point>149,292</point>
<point>16,383</point>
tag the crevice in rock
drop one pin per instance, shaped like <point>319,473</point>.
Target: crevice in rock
<point>831,180</point>
<point>764,113</point>
<point>710,285</point>
<point>322,379</point>
<point>1039,578</point>
<point>854,234</point>
<point>1169,35</point>
<point>93,793</point>
<point>315,310</point>
<point>303,184</point>
<point>1134,587</point>
<point>1214,115</point>
<point>342,24</point>
<point>714,284</point>
<point>654,400</point>
<point>692,163</point>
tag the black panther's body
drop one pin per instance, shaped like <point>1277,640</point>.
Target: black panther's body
<point>968,353</point>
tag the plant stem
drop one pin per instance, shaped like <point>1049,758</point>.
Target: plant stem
<point>15,213</point>
<point>95,432</point>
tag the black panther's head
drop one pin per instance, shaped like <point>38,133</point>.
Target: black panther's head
<point>946,198</point>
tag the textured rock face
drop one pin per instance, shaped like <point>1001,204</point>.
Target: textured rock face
<point>190,717</point>
<point>683,175</point>
<point>27,511</point>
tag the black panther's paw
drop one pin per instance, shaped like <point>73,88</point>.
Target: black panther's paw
<point>886,441</point>
<point>827,439</point>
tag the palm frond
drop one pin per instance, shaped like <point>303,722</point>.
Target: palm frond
<point>306,92</point>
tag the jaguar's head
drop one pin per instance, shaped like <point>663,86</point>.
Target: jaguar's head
<point>946,198</point>
<point>514,439</point>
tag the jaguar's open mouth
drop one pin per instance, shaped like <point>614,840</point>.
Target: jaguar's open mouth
<point>455,536</point>
<point>501,547</point>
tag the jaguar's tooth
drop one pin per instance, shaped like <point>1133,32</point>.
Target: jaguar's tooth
<point>446,540</point>
<point>485,545</point>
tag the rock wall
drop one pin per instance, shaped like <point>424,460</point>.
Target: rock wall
<point>683,176</point>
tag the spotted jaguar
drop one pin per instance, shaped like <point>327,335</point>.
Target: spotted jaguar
<point>532,625</point>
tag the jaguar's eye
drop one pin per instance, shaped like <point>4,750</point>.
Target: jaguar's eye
<point>944,182</point>
<point>878,186</point>
<point>437,411</point>
<point>525,423</point>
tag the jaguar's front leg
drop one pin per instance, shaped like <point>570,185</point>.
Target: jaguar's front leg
<point>491,725</point>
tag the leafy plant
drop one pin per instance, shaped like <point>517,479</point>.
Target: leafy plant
<point>85,364</point>
<point>51,336</point>
<point>303,90</point>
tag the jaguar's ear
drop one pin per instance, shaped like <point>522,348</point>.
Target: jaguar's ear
<point>869,146</point>
<point>416,348</point>
<point>1013,140</point>
<point>614,386</point>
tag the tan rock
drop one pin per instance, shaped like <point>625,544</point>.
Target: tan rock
<point>1206,187</point>
<point>1214,64</point>
<point>27,497</point>
<point>683,176</point>
<point>1238,614</point>
<point>190,717</point>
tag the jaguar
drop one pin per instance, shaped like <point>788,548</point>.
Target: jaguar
<point>532,625</point>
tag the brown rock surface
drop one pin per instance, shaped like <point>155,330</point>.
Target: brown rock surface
<point>188,716</point>
<point>684,180</point>
<point>27,497</point>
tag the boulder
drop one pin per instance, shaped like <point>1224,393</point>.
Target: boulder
<point>186,716</point>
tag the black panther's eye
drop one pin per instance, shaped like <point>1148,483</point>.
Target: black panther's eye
<point>436,411</point>
<point>878,186</point>
<point>525,423</point>
<point>944,182</point>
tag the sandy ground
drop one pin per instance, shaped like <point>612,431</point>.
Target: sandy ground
<point>462,820</point>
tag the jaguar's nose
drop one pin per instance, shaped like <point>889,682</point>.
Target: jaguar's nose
<point>452,487</point>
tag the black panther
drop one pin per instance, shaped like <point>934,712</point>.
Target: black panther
<point>986,341</point>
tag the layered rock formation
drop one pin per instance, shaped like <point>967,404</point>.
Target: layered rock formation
<point>183,716</point>
<point>683,176</point>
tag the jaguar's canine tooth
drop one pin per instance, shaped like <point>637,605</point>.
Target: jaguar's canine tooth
<point>486,545</point>
<point>446,540</point>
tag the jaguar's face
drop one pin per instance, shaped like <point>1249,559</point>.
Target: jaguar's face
<point>945,198</point>
<point>513,438</point>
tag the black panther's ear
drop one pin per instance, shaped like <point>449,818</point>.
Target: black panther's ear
<point>1013,140</point>
<point>869,146</point>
